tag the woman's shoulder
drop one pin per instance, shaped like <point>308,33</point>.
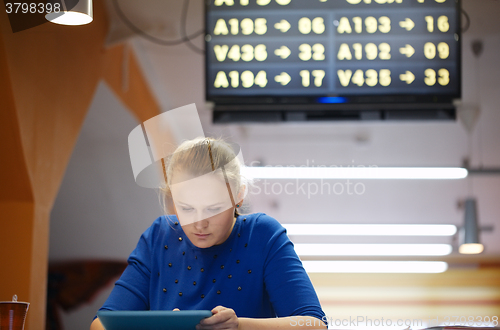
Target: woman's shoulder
<point>265,232</point>
<point>264,222</point>
<point>162,226</point>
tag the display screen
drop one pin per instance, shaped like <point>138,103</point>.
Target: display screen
<point>332,51</point>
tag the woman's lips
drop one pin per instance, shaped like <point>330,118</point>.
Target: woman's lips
<point>202,235</point>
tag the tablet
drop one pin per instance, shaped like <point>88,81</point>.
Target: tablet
<point>152,320</point>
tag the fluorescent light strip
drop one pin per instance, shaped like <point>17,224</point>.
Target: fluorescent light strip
<point>355,172</point>
<point>327,266</point>
<point>373,249</point>
<point>370,230</point>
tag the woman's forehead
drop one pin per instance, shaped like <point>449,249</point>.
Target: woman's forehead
<point>190,179</point>
<point>208,188</point>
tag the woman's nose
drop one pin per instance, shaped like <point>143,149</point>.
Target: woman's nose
<point>203,223</point>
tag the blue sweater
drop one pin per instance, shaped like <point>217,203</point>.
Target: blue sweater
<point>256,272</point>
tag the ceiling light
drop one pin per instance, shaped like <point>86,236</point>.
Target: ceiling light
<point>327,266</point>
<point>79,13</point>
<point>280,172</point>
<point>370,230</point>
<point>471,248</point>
<point>372,249</point>
<point>469,233</point>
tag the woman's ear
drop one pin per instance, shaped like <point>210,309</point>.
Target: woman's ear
<point>241,195</point>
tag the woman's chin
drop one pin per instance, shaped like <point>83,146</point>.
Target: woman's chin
<point>201,243</point>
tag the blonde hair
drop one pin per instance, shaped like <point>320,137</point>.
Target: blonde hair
<point>201,156</point>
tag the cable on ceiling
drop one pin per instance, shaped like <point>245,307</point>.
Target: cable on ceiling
<point>193,47</point>
<point>467,23</point>
<point>184,38</point>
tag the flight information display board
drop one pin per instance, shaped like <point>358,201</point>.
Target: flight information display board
<point>331,49</point>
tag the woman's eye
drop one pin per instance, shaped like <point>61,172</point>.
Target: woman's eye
<point>214,209</point>
<point>187,208</point>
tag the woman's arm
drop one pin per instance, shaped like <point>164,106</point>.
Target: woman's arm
<point>290,290</point>
<point>131,291</point>
<point>227,318</point>
<point>96,325</point>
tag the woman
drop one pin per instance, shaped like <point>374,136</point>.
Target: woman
<point>207,256</point>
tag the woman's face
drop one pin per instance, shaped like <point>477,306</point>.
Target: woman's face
<point>204,208</point>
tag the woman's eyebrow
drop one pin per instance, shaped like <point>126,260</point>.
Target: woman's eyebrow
<point>185,204</point>
<point>219,203</point>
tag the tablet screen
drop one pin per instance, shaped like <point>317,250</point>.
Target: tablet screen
<point>152,320</point>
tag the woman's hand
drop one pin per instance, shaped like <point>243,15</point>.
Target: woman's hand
<point>222,318</point>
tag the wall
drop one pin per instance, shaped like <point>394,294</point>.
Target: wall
<point>100,212</point>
